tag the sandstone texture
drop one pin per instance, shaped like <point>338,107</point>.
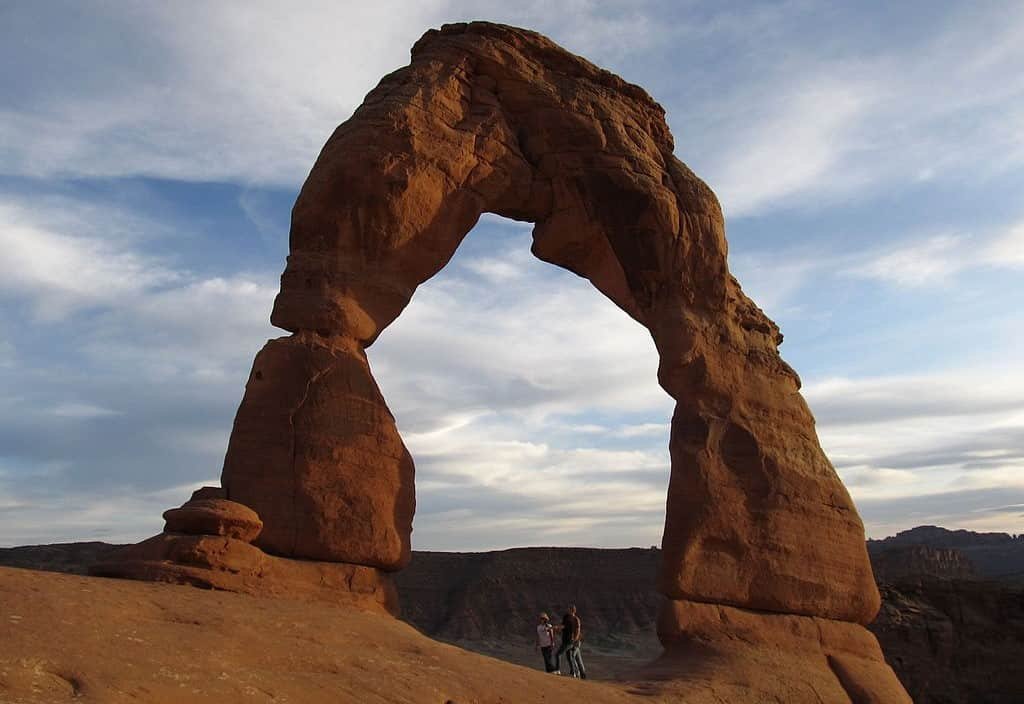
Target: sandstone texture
<point>216,562</point>
<point>177,644</point>
<point>316,453</point>
<point>214,517</point>
<point>206,543</point>
<point>488,118</point>
<point>948,640</point>
<point>104,641</point>
<point>838,659</point>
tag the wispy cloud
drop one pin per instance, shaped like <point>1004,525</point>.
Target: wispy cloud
<point>78,409</point>
<point>790,143</point>
<point>233,91</point>
<point>118,365</point>
<point>241,91</point>
<point>61,271</point>
<point>820,119</point>
<point>937,259</point>
<point>772,110</point>
<point>902,439</point>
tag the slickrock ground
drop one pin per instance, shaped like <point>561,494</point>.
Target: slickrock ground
<point>949,640</point>
<point>66,637</point>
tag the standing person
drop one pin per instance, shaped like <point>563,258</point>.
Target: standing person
<point>572,634</point>
<point>574,652</point>
<point>546,644</point>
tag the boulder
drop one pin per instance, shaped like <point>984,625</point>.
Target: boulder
<point>214,517</point>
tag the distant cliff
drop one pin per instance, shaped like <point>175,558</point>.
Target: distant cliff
<point>908,562</point>
<point>990,555</point>
<point>954,641</point>
<point>496,597</point>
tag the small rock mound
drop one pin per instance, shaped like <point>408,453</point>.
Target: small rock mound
<point>214,517</point>
<point>207,543</point>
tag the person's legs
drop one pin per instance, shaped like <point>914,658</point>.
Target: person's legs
<point>566,650</point>
<point>576,658</point>
<point>549,663</point>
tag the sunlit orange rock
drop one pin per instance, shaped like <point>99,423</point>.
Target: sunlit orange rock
<point>489,118</point>
<point>762,541</point>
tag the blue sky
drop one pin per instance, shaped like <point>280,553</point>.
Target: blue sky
<point>869,158</point>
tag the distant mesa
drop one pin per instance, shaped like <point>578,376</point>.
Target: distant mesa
<point>763,556</point>
<point>987,555</point>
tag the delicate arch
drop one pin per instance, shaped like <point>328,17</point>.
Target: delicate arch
<point>489,118</point>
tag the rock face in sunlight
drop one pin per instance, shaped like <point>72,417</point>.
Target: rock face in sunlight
<point>316,451</point>
<point>493,119</point>
<point>206,543</point>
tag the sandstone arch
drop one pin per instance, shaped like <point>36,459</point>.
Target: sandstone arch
<point>489,118</point>
<point>764,566</point>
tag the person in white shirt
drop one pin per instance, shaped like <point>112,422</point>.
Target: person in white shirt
<point>546,644</point>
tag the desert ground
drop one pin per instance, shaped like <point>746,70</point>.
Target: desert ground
<point>74,638</point>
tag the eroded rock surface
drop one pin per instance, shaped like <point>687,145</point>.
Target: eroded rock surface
<point>954,640</point>
<point>214,517</point>
<point>488,118</point>
<point>316,453</point>
<point>795,658</point>
<point>761,540</point>
<point>206,543</point>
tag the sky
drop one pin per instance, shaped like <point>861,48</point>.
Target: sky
<point>869,158</point>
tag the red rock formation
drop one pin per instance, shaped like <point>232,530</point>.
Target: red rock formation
<point>214,517</point>
<point>316,452</point>
<point>206,543</point>
<point>780,657</point>
<point>489,118</point>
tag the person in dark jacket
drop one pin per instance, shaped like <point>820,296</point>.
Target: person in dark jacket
<point>572,637</point>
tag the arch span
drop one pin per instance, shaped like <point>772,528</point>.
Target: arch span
<point>494,119</point>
